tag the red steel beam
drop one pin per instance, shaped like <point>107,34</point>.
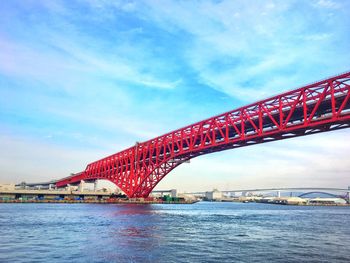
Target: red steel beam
<point>318,107</point>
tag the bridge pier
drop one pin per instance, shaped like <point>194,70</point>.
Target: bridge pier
<point>95,185</point>
<point>348,195</point>
<point>173,193</point>
<point>278,193</point>
<point>81,186</point>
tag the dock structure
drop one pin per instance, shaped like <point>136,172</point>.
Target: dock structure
<point>8,193</point>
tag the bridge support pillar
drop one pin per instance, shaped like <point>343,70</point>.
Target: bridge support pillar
<point>278,193</point>
<point>348,195</point>
<point>95,185</point>
<point>173,193</point>
<point>81,186</point>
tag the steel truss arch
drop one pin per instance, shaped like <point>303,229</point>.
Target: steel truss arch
<point>318,107</point>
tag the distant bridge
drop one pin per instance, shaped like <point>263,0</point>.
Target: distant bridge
<point>307,191</point>
<point>282,189</point>
<point>319,107</point>
<point>342,192</point>
<point>286,189</point>
<point>317,192</point>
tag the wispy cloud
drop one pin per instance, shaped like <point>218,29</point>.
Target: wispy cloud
<point>248,50</point>
<point>68,67</point>
<point>328,4</point>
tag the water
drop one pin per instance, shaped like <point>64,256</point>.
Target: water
<point>202,232</point>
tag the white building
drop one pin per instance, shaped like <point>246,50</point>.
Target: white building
<point>213,195</point>
<point>327,201</point>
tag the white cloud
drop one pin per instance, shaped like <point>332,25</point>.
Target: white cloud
<point>67,68</point>
<point>328,4</point>
<point>267,37</point>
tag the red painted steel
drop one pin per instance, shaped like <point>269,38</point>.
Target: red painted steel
<point>319,107</point>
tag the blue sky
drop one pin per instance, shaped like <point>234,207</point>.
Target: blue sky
<point>83,79</point>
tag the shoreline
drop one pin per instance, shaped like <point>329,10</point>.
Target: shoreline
<point>120,201</point>
<point>94,202</point>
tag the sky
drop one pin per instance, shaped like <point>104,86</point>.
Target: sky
<point>80,80</point>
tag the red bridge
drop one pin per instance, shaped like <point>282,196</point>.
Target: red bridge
<point>319,107</point>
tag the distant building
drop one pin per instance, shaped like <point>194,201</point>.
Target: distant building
<point>213,195</point>
<point>187,196</point>
<point>295,201</point>
<point>327,201</point>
